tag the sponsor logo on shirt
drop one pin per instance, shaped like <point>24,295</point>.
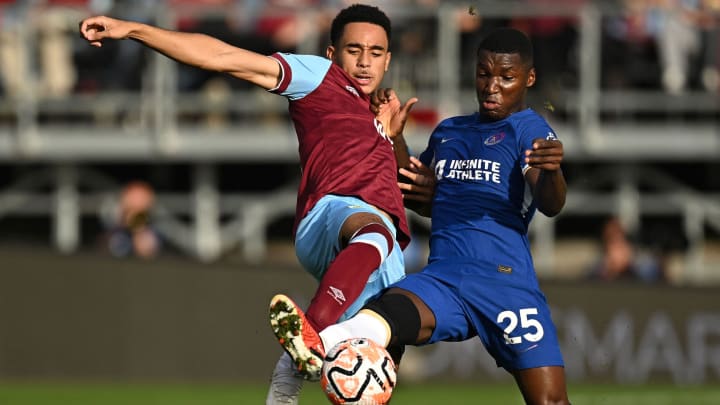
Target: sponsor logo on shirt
<point>469,169</point>
<point>440,169</point>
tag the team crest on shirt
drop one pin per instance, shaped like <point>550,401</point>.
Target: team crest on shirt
<point>551,137</point>
<point>504,269</point>
<point>495,139</point>
<point>352,90</point>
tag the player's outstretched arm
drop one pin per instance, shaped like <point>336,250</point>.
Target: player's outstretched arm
<point>545,175</point>
<point>193,49</point>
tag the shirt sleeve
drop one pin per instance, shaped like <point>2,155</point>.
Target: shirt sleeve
<point>531,129</point>
<point>301,74</point>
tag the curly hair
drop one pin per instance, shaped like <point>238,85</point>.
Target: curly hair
<point>508,40</point>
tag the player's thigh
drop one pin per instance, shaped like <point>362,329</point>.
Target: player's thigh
<point>357,221</point>
<point>442,312</point>
<point>542,385</point>
<point>514,323</point>
<point>317,240</point>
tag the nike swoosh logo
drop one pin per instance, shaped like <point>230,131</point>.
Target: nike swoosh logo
<point>446,140</point>
<point>535,346</point>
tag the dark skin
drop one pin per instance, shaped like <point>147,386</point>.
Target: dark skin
<point>501,83</point>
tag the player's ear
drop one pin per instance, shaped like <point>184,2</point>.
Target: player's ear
<point>330,52</point>
<point>531,77</point>
<point>387,60</point>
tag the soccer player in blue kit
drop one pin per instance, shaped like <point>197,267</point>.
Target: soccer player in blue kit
<point>492,170</point>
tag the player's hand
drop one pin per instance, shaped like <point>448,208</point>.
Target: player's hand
<point>96,29</point>
<point>421,182</point>
<point>546,154</point>
<point>388,109</point>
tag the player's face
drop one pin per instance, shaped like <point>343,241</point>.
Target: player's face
<point>362,52</point>
<point>501,82</point>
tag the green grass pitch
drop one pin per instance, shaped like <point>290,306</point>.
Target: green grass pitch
<point>14,393</point>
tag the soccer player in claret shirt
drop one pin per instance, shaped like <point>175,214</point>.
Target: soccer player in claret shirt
<point>350,222</point>
<point>492,169</point>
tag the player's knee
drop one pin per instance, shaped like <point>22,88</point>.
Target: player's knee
<point>376,235</point>
<point>402,316</point>
<point>550,398</point>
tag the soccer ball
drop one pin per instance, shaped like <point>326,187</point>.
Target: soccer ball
<point>358,371</point>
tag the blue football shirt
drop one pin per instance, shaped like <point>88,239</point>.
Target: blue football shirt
<point>483,205</point>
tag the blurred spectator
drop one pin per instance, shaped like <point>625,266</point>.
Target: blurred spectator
<point>679,41</point>
<point>129,225</point>
<point>261,26</point>
<point>36,44</point>
<point>629,49</point>
<point>14,58</point>
<point>554,39</point>
<point>55,21</point>
<point>621,259</point>
<point>683,34</point>
<point>473,26</point>
<point>710,75</point>
<point>126,72</point>
<point>204,16</point>
<point>287,25</point>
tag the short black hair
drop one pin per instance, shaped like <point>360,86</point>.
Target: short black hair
<point>508,40</point>
<point>358,13</point>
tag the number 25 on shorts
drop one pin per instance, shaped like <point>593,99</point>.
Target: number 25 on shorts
<point>524,319</point>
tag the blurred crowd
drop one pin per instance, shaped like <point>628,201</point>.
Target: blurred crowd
<point>676,41</point>
<point>663,44</point>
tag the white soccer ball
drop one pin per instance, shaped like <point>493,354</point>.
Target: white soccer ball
<point>358,371</point>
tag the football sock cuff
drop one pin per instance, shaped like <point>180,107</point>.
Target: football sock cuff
<point>377,236</point>
<point>364,324</point>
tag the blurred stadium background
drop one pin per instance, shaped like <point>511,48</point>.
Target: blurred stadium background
<point>632,88</point>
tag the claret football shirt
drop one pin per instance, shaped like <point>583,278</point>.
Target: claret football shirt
<point>343,148</point>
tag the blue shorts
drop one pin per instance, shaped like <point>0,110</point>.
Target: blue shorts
<point>317,242</point>
<point>507,312</point>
